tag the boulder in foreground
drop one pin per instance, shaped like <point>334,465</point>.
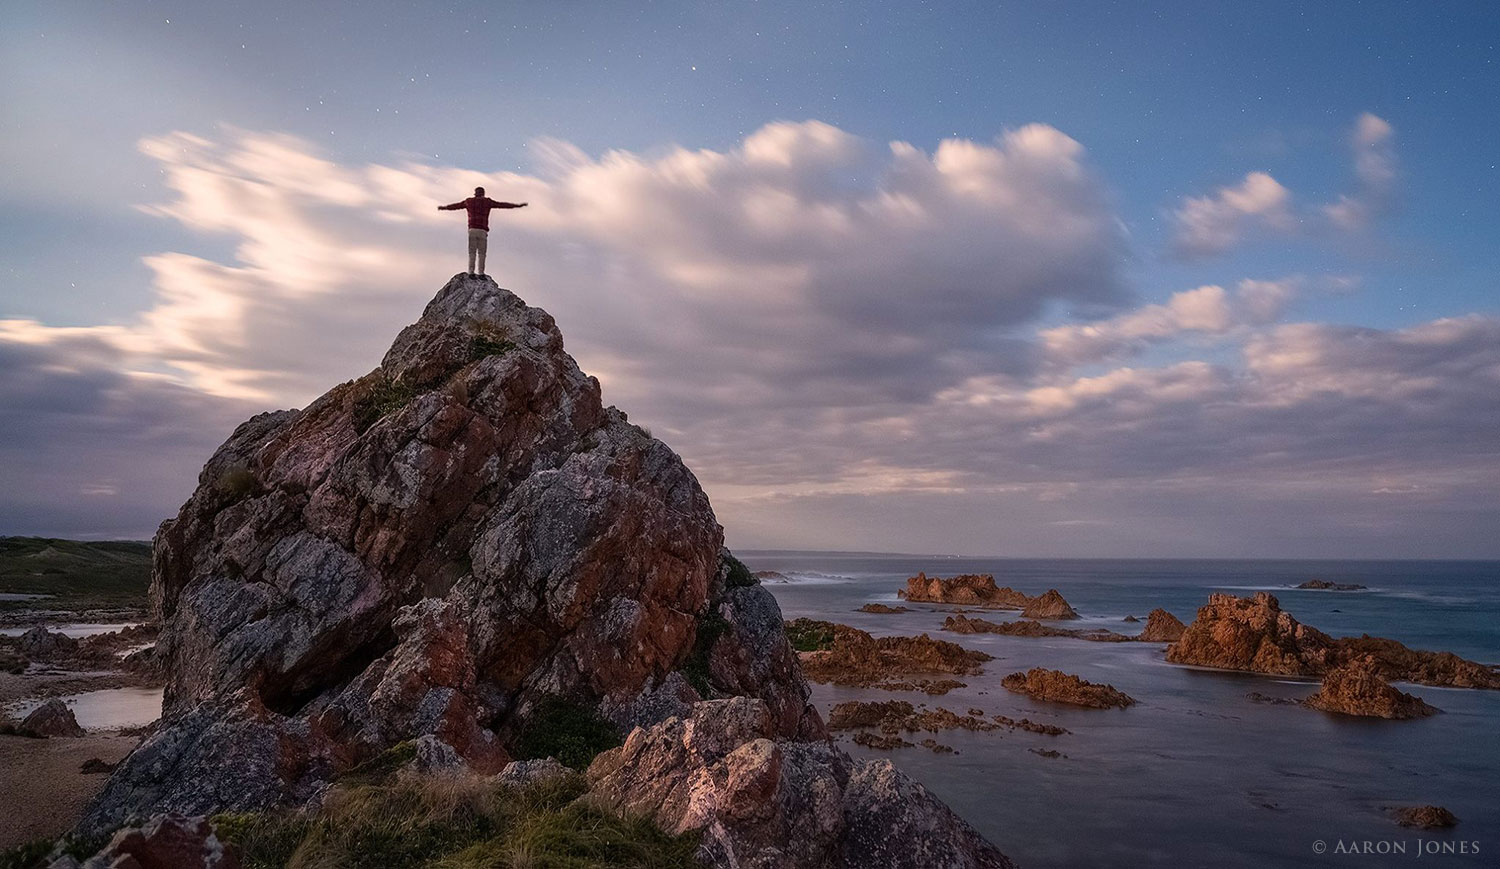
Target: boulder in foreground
<point>438,549</point>
<point>766,802</point>
<point>166,842</point>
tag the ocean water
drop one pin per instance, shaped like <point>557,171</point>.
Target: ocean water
<point>1196,774</point>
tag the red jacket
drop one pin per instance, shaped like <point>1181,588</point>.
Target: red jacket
<point>479,210</point>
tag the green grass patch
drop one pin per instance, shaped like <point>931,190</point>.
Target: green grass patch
<point>571,732</point>
<point>711,626</point>
<point>453,822</point>
<point>382,766</point>
<point>383,399</point>
<point>739,575</point>
<point>810,635</point>
<point>77,574</point>
<point>236,482</point>
<point>483,345</point>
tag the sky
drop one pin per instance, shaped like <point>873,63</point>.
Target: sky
<point>1035,279</point>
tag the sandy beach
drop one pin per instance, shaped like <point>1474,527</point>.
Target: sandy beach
<point>43,789</point>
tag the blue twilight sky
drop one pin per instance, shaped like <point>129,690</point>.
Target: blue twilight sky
<point>178,183</point>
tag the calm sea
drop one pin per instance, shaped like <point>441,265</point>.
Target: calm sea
<point>1196,774</point>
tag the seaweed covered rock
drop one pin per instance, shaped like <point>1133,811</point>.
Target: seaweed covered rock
<point>437,549</point>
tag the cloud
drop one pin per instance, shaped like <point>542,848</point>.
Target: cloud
<point>840,337</point>
<point>1376,172</point>
<point>1207,310</point>
<point>88,447</point>
<point>1208,226</point>
<point>804,268</point>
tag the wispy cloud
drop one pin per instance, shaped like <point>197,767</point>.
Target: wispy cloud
<point>840,337</point>
<point>1260,206</point>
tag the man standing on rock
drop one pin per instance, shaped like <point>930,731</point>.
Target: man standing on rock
<point>479,207</point>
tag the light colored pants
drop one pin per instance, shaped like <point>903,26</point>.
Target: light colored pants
<point>479,242</point>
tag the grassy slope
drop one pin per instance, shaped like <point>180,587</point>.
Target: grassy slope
<point>398,820</point>
<point>454,822</point>
<point>78,574</point>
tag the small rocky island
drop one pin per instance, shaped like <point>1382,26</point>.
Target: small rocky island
<point>1058,687</point>
<point>1356,689</point>
<point>465,562</point>
<point>1255,635</point>
<point>979,590</point>
<point>1329,585</point>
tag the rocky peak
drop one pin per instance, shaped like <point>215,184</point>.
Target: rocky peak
<point>434,549</point>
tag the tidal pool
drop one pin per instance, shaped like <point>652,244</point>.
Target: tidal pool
<point>106,709</point>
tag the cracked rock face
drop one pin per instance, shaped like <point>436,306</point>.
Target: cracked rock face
<point>429,550</point>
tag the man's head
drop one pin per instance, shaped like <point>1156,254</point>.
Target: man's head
<point>478,191</point>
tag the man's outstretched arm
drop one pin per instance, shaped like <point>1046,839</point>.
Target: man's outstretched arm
<point>454,207</point>
<point>510,205</point>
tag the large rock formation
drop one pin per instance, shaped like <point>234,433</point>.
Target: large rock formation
<point>431,549</point>
<point>968,589</point>
<point>766,802</point>
<point>443,551</point>
<point>1254,635</point>
<point>1356,689</point>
